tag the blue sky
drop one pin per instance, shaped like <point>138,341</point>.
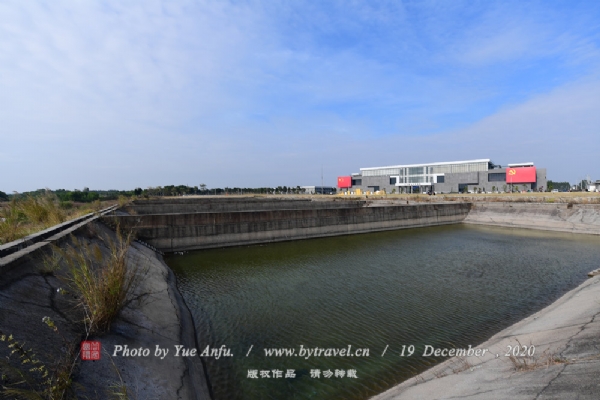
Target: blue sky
<point>118,95</point>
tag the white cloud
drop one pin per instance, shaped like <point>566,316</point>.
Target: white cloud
<point>113,94</point>
<point>557,130</point>
<point>131,63</point>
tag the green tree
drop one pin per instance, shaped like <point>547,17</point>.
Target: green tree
<point>562,186</point>
<point>168,190</point>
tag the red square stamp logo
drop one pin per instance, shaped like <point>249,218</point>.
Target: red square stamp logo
<point>90,350</point>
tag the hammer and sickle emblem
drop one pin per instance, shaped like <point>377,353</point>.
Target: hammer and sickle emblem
<point>512,172</point>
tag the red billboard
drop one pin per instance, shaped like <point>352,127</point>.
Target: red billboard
<point>344,182</point>
<point>520,175</point>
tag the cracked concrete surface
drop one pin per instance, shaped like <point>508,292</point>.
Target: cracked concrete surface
<point>566,364</point>
<point>575,218</point>
<point>155,316</point>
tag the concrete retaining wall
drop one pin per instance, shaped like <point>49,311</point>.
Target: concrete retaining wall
<point>575,218</point>
<point>178,232</point>
<point>208,204</point>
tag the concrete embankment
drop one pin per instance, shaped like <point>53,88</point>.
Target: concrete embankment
<point>569,217</point>
<point>566,334</point>
<point>155,316</point>
<point>208,223</point>
<point>191,231</point>
<point>231,204</point>
<point>565,364</point>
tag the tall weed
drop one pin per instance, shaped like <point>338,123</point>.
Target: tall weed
<point>34,379</point>
<point>22,216</point>
<point>123,200</point>
<point>42,209</point>
<point>102,279</point>
<point>11,223</point>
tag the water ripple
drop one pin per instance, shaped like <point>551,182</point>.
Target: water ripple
<point>450,286</point>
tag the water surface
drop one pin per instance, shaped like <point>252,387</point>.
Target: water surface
<point>449,286</point>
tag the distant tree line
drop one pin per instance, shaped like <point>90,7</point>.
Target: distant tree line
<point>202,189</point>
<point>87,196</point>
<point>80,196</point>
<point>561,186</point>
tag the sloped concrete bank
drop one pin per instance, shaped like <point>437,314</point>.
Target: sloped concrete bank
<point>159,317</point>
<point>566,334</point>
<point>565,364</point>
<point>569,217</point>
<point>156,316</point>
<point>192,231</point>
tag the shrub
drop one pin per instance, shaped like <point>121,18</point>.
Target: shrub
<point>123,200</point>
<point>66,205</point>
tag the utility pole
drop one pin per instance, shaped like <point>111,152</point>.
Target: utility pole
<point>322,190</point>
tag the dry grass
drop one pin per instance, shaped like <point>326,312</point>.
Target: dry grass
<point>43,209</point>
<point>23,216</point>
<point>34,379</point>
<point>123,201</point>
<point>439,374</point>
<point>103,282</point>
<point>529,363</point>
<point>11,223</point>
<point>118,390</point>
<point>461,365</point>
<point>532,197</point>
<point>545,360</point>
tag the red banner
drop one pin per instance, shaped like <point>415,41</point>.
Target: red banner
<point>344,182</point>
<point>521,175</point>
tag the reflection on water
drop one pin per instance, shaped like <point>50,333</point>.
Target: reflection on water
<point>447,286</point>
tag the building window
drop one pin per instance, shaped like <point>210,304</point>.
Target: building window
<point>356,182</point>
<point>440,179</point>
<point>497,177</point>
<point>392,180</point>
